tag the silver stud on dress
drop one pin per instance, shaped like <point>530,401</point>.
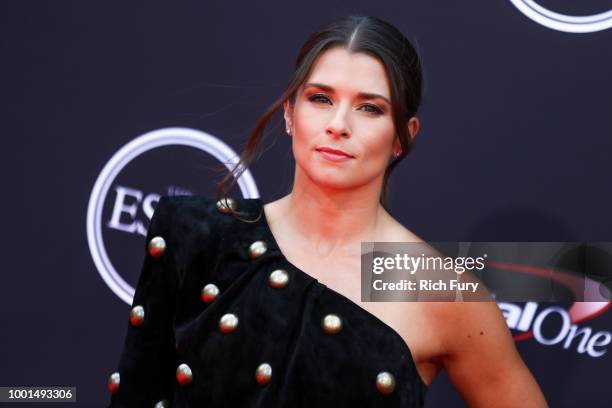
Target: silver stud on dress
<point>331,324</point>
<point>137,316</point>
<point>278,278</point>
<point>257,249</point>
<point>228,323</point>
<point>184,375</point>
<point>209,292</point>
<point>163,404</point>
<point>227,205</point>
<point>113,382</point>
<point>157,247</point>
<point>263,373</point>
<point>385,382</point>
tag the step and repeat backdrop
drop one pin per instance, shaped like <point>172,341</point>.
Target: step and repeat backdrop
<point>106,106</point>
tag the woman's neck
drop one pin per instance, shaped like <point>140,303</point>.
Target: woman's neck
<point>327,222</point>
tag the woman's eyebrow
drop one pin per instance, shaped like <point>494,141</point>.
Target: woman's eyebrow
<point>361,95</point>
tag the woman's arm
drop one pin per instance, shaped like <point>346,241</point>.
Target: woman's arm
<point>481,359</point>
<point>147,364</point>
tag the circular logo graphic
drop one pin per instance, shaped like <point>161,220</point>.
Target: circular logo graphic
<point>563,22</point>
<point>151,140</point>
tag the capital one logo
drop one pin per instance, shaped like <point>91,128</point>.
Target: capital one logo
<point>556,326</point>
<point>152,140</point>
<point>564,22</point>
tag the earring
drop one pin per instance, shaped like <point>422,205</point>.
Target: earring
<point>397,153</point>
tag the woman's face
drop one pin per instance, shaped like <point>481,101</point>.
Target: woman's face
<point>344,105</point>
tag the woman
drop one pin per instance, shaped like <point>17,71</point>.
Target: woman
<point>231,311</point>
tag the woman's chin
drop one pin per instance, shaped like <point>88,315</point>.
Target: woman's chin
<point>334,180</point>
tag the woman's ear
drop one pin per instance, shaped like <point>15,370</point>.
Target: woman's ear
<point>397,148</point>
<point>288,116</point>
<point>413,127</point>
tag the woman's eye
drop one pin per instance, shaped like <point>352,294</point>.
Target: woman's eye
<point>317,98</point>
<point>373,109</point>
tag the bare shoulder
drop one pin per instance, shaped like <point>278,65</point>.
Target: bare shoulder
<point>475,347</point>
<point>427,319</point>
<point>397,232</point>
<point>455,324</point>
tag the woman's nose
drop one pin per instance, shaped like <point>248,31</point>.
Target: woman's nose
<point>338,127</point>
<point>337,132</point>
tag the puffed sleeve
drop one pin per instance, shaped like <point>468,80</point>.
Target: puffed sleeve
<point>146,371</point>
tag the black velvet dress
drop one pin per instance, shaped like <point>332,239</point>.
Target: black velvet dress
<point>308,365</point>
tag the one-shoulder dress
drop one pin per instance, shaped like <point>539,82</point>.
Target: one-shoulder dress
<point>220,318</point>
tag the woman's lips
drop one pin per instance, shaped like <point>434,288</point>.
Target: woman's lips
<point>333,156</point>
